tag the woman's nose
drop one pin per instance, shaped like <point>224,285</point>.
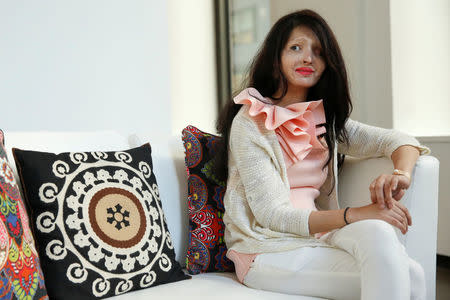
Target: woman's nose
<point>307,56</point>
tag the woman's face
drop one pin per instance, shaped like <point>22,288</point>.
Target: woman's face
<point>302,62</point>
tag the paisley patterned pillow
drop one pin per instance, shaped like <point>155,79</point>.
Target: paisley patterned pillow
<point>207,249</point>
<point>99,221</point>
<point>21,276</point>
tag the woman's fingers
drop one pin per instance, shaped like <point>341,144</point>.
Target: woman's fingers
<point>399,195</point>
<point>401,216</point>
<point>384,190</point>
<point>379,192</point>
<point>395,222</point>
<point>405,211</point>
<point>373,197</point>
<point>398,221</point>
<point>388,193</point>
<point>394,183</point>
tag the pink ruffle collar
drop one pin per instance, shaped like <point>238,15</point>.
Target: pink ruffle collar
<point>294,124</point>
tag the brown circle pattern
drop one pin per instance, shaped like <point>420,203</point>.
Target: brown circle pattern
<point>117,217</point>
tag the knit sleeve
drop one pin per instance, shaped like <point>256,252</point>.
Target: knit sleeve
<point>266,193</point>
<point>371,141</point>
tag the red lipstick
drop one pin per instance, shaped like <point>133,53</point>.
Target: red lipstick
<point>304,71</point>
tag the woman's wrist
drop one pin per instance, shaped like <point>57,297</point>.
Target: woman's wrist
<point>345,215</point>
<point>351,215</point>
<point>402,173</point>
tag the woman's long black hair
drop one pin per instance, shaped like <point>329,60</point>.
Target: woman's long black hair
<point>266,76</point>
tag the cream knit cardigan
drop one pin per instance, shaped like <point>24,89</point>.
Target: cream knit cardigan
<point>258,216</point>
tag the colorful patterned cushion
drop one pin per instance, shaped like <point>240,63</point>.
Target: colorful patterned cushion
<point>21,276</point>
<point>207,249</point>
<point>99,222</point>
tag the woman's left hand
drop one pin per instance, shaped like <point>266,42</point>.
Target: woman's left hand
<point>387,187</point>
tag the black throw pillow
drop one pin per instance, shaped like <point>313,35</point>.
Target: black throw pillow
<point>98,222</point>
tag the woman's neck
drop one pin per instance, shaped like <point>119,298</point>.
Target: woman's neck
<point>292,96</point>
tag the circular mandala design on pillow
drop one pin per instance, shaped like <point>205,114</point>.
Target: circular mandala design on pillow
<point>198,256</point>
<point>7,180</point>
<point>198,193</point>
<point>193,149</point>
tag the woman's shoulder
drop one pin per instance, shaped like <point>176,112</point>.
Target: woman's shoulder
<point>250,128</point>
<point>256,109</point>
<point>244,122</point>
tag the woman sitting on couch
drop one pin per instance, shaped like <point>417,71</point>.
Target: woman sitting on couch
<point>284,134</point>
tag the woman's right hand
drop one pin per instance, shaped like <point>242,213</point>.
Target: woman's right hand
<point>397,216</point>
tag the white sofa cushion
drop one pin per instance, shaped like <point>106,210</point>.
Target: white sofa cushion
<point>217,286</point>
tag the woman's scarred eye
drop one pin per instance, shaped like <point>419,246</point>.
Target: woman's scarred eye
<point>296,48</point>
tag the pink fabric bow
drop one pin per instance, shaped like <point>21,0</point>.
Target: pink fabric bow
<point>295,124</point>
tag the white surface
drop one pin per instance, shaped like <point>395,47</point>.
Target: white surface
<point>420,33</point>
<point>441,150</point>
<point>214,286</point>
<point>84,65</point>
<point>192,51</point>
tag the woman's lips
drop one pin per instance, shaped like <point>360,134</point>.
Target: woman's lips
<point>304,71</point>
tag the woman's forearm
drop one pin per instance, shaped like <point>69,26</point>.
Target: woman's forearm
<point>325,220</point>
<point>405,158</point>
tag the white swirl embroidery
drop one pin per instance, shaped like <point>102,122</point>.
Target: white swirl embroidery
<point>48,192</point>
<point>164,262</point>
<point>145,169</point>
<point>45,222</point>
<point>148,279</point>
<point>100,287</point>
<point>76,273</point>
<point>99,155</point>
<point>56,250</point>
<point>124,286</point>
<point>60,168</point>
<point>123,157</point>
<point>78,157</point>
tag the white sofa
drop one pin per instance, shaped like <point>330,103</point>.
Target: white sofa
<point>168,159</point>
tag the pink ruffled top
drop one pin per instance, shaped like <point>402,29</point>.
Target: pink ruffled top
<point>303,150</point>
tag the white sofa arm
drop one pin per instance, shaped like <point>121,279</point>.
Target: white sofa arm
<point>421,199</point>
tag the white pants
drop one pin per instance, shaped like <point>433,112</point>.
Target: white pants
<point>370,263</point>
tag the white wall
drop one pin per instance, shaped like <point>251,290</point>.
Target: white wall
<point>421,66</point>
<point>193,77</point>
<point>84,65</point>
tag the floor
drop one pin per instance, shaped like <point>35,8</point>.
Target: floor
<point>442,283</point>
